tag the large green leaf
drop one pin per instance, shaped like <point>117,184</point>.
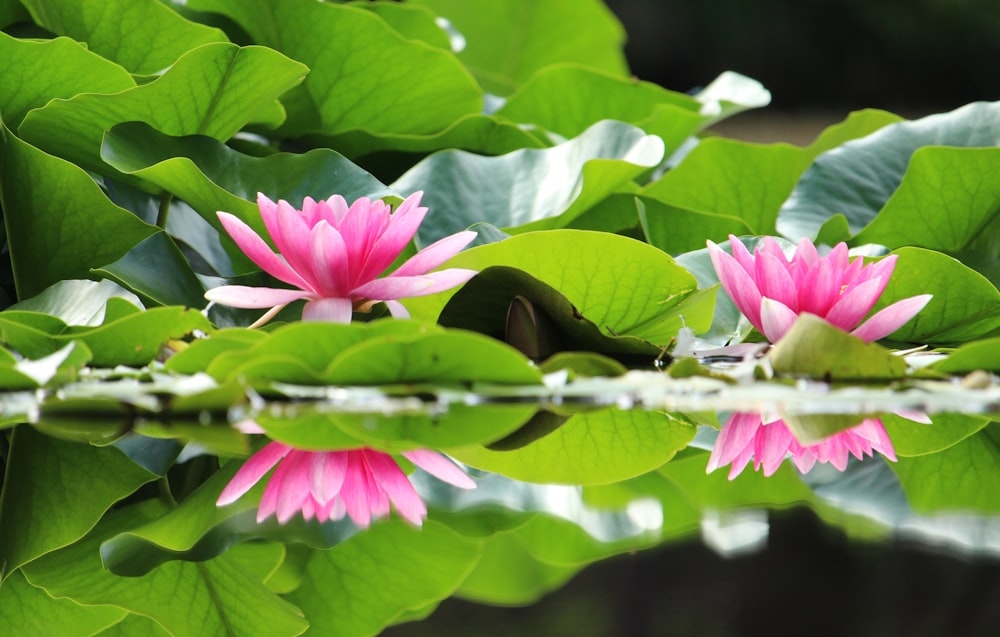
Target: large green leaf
<point>59,224</point>
<point>212,90</point>
<point>55,491</point>
<point>946,199</point>
<point>156,269</point>
<point>965,306</point>
<point>220,596</point>
<point>37,72</point>
<point>858,178</point>
<point>518,188</point>
<point>626,287</point>
<point>506,42</point>
<point>144,36</point>
<point>364,74</point>
<point>210,176</point>
<point>27,610</point>
<point>380,574</point>
<point>590,448</point>
<point>725,186</point>
<point>567,99</point>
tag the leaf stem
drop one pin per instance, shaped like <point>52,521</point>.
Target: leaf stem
<point>164,210</point>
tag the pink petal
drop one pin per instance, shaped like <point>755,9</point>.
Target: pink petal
<point>771,446</point>
<point>740,254</point>
<point>252,471</point>
<point>295,484</point>
<point>387,247</point>
<point>435,254</point>
<point>397,310</point>
<point>398,488</point>
<point>774,281</point>
<point>736,435</point>
<point>295,242</point>
<point>328,471</point>
<point>355,491</point>
<point>394,287</point>
<point>329,266</point>
<point>819,289</point>
<point>742,289</point>
<point>852,306</point>
<point>328,310</point>
<point>246,297</point>
<point>891,318</point>
<point>440,467</point>
<point>259,252</point>
<point>775,319</point>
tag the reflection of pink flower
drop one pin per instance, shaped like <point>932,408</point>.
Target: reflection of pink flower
<point>746,436</point>
<point>329,484</point>
<point>772,291</point>
<point>333,255</point>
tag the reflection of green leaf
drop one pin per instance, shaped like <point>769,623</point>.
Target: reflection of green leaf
<point>965,306</point>
<point>961,478</point>
<point>590,448</point>
<point>65,225</point>
<point>56,491</point>
<point>212,90</point>
<point>917,439</point>
<point>59,68</point>
<point>508,41</point>
<point>389,569</point>
<point>213,597</point>
<point>814,348</point>
<point>144,36</point>
<point>516,189</point>
<point>626,287</point>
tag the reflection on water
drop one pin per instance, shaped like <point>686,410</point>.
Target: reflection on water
<point>807,580</point>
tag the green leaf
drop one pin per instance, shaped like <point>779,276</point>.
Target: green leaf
<point>136,339</point>
<point>363,73</point>
<point>210,176</point>
<point>945,200</point>
<point>412,22</point>
<point>76,302</point>
<point>626,287</point>
<point>487,302</point>
<point>215,597</point>
<point>212,90</point>
<point>567,99</point>
<point>858,178</point>
<point>144,36</point>
<point>27,610</point>
<point>966,306</point>
<point>816,349</point>
<point>157,269</point>
<point>389,569</point>
<point>305,428</point>
<point>59,68</point>
<point>516,189</point>
<point>917,439</point>
<point>506,42</point>
<point>590,448</point>
<point>56,491</point>
<point>59,224</point>
<point>984,355</point>
<point>957,479</point>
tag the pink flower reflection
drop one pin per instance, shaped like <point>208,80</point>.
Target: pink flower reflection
<point>333,255</point>
<point>360,483</point>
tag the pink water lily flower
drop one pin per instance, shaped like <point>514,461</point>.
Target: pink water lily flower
<point>333,255</point>
<point>749,436</point>
<point>771,290</point>
<point>326,485</point>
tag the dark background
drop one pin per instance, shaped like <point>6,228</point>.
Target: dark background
<point>839,55</point>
